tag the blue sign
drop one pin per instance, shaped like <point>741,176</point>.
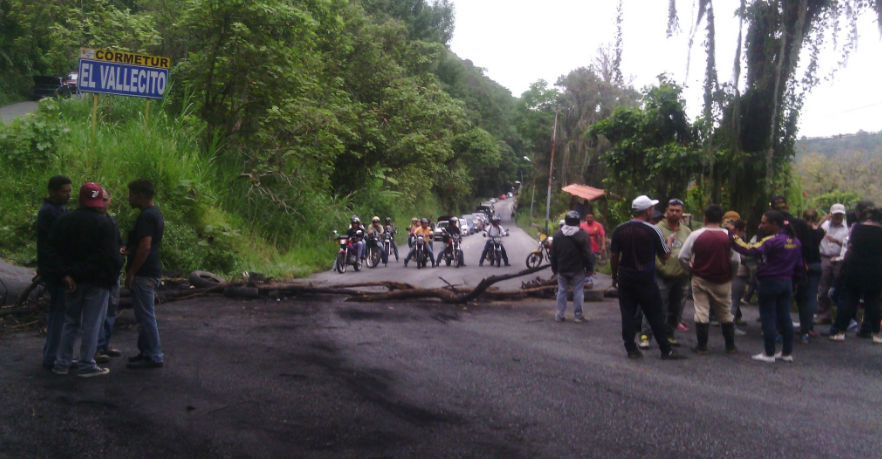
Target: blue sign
<point>122,79</point>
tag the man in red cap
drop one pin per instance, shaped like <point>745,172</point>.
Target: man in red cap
<point>86,258</point>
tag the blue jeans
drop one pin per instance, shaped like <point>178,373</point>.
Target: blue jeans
<point>84,312</point>
<point>143,292</point>
<point>109,319</point>
<point>443,251</point>
<point>429,253</point>
<point>54,322</point>
<point>564,281</point>
<point>774,307</point>
<point>487,246</point>
<point>807,298</point>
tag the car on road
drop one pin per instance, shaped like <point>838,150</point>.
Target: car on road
<point>438,227</point>
<point>492,199</point>
<point>470,224</point>
<point>50,86</point>
<point>501,197</point>
<point>464,227</point>
<point>71,81</point>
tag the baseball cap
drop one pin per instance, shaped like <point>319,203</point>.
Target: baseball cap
<point>643,202</point>
<point>778,202</point>
<point>837,209</point>
<point>91,195</point>
<point>731,215</point>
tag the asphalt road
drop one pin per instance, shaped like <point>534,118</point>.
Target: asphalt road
<point>10,112</point>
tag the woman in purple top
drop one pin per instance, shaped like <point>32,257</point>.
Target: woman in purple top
<point>779,264</point>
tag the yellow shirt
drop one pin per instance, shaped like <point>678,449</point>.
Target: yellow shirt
<point>426,232</point>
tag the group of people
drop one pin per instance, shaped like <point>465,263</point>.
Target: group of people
<point>656,266</point>
<point>419,228</point>
<point>80,256</point>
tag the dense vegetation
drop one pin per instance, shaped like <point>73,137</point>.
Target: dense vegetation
<point>285,117</point>
<point>842,169</point>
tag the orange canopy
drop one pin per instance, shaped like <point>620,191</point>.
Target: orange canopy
<point>588,193</point>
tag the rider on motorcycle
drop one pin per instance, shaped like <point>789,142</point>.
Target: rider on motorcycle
<point>447,236</point>
<point>426,233</point>
<point>414,224</point>
<point>377,230</point>
<point>495,230</point>
<point>356,235</point>
<point>390,230</point>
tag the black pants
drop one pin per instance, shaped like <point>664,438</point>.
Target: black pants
<point>645,295</point>
<point>847,311</point>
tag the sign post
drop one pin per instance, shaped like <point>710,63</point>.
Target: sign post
<point>123,74</point>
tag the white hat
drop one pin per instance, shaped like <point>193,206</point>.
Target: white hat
<point>643,202</point>
<point>837,209</point>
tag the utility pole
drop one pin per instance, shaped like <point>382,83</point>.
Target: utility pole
<point>550,173</point>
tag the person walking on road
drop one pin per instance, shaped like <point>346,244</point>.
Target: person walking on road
<point>52,209</point>
<point>708,255</point>
<point>835,233</point>
<point>86,257</point>
<point>572,260</point>
<point>144,271</point>
<point>635,246</point>
<point>779,265</point>
<point>671,278</point>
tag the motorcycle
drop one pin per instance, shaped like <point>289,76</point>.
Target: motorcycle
<point>388,247</point>
<point>421,254</point>
<point>452,251</point>
<point>494,255</point>
<point>536,257</point>
<point>373,255</point>
<point>347,255</point>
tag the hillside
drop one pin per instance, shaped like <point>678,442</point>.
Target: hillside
<point>868,143</point>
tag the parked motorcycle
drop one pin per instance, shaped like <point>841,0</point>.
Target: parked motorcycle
<point>347,255</point>
<point>452,251</point>
<point>536,257</point>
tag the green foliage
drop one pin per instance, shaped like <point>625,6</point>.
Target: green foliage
<point>824,202</point>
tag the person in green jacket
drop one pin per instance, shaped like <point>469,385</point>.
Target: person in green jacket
<point>671,278</point>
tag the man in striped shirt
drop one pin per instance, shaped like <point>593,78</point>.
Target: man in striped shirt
<point>635,245</point>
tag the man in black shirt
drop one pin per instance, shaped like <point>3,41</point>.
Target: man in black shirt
<point>635,245</point>
<point>144,272</point>
<point>86,257</point>
<point>53,207</point>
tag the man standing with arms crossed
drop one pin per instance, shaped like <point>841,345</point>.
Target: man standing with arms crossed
<point>53,207</point>
<point>672,279</point>
<point>635,246</point>
<point>144,272</point>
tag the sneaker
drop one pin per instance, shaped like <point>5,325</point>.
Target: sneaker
<point>112,352</point>
<point>560,319</point>
<point>580,320</point>
<point>59,371</point>
<point>699,350</point>
<point>762,357</point>
<point>507,265</point>
<point>682,326</point>
<point>101,358</point>
<point>805,339</point>
<point>853,326</point>
<point>877,339</point>
<point>635,354</point>
<point>740,332</point>
<point>137,358</point>
<point>673,342</point>
<point>97,371</point>
<point>144,364</point>
<point>644,342</point>
<point>673,355</point>
<point>837,337</point>
<point>783,358</point>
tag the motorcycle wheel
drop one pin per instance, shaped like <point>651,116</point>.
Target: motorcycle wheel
<point>456,261</point>
<point>447,261</point>
<point>357,265</point>
<point>373,258</point>
<point>341,263</point>
<point>419,262</point>
<point>534,260</point>
<point>498,260</point>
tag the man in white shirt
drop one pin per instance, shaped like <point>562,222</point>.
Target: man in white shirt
<point>835,233</point>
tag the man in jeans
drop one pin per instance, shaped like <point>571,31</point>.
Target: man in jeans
<point>52,209</point>
<point>105,352</point>
<point>635,246</point>
<point>572,260</point>
<point>671,278</point>
<point>708,254</point>
<point>835,233</point>
<point>144,272</point>
<point>86,254</point>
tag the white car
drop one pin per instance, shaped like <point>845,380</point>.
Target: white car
<point>493,200</point>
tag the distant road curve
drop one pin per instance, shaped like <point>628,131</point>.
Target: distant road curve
<point>10,112</point>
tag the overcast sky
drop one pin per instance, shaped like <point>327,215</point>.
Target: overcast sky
<point>521,41</point>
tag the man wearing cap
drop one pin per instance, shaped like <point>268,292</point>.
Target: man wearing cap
<point>635,246</point>
<point>807,291</point>
<point>672,279</point>
<point>835,232</point>
<point>572,260</point>
<point>87,258</point>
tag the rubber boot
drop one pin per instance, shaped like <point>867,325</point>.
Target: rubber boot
<point>729,336</point>
<point>701,332</point>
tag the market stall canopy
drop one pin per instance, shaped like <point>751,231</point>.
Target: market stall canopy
<point>588,193</point>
